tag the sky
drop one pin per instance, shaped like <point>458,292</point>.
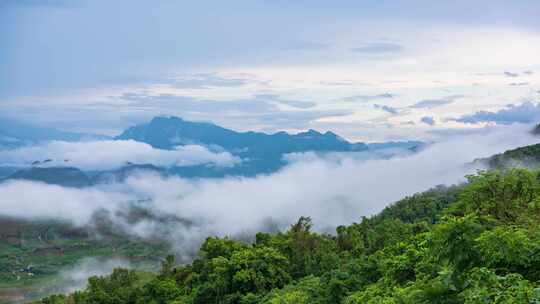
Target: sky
<point>367,70</point>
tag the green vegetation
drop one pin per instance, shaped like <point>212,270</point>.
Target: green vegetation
<point>527,157</point>
<point>476,243</point>
<point>33,253</point>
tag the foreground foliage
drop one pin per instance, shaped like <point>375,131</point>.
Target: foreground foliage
<point>477,243</point>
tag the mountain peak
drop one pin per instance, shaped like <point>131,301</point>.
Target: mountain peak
<point>331,134</point>
<point>165,119</point>
<point>310,132</point>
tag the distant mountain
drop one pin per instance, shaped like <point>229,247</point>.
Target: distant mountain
<point>63,176</point>
<point>260,152</point>
<point>522,157</point>
<point>536,130</point>
<point>169,132</point>
<point>412,145</point>
<point>527,156</point>
<point>74,177</point>
<point>15,134</point>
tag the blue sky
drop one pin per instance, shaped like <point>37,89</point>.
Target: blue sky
<point>368,70</point>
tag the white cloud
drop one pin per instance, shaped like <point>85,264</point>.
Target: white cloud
<point>23,199</point>
<point>112,154</point>
<point>76,277</point>
<point>334,191</point>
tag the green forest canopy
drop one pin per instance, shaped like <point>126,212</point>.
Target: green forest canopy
<point>474,243</point>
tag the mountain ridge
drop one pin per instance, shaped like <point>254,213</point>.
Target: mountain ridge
<point>261,153</point>
<point>167,132</point>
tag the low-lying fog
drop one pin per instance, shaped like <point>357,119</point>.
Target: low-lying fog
<point>332,190</point>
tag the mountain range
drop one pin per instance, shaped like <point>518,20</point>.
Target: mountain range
<point>169,132</point>
<point>260,153</point>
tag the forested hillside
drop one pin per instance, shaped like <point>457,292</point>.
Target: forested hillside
<point>474,243</point>
<point>528,156</point>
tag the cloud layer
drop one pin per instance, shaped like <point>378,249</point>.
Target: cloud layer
<point>112,154</point>
<point>334,191</point>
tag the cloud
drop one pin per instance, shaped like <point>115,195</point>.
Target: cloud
<point>366,98</point>
<point>387,109</point>
<point>188,103</point>
<point>29,200</point>
<point>528,72</point>
<point>112,154</point>
<point>76,277</point>
<point>293,103</point>
<point>433,103</point>
<point>207,81</point>
<point>136,53</point>
<point>518,84</point>
<point>378,48</point>
<point>429,120</point>
<point>261,110</point>
<point>449,132</point>
<point>300,119</point>
<point>408,123</point>
<point>526,112</point>
<point>510,74</point>
<point>262,103</point>
<point>342,83</point>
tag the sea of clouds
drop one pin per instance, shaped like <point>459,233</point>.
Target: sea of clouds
<point>333,191</point>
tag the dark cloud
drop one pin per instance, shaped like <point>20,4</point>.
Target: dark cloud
<point>408,123</point>
<point>366,98</point>
<point>510,74</point>
<point>433,103</point>
<point>526,112</point>
<point>518,84</point>
<point>486,74</point>
<point>429,120</point>
<point>529,72</point>
<point>378,48</point>
<point>387,109</point>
